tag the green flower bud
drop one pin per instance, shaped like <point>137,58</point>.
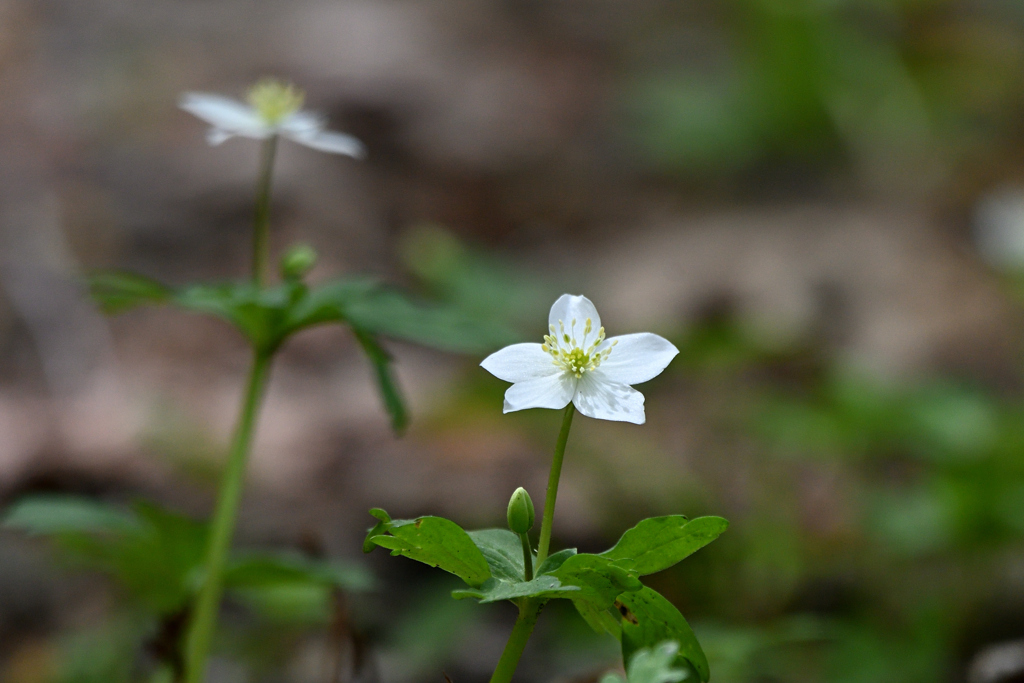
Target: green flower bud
<point>520,511</point>
<point>298,261</point>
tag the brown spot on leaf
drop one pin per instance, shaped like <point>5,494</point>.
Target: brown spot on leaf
<point>417,523</point>
<point>624,611</point>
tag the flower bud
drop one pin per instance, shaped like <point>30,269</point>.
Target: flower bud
<point>520,511</point>
<point>297,261</point>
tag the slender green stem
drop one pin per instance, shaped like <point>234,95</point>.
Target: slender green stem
<point>529,609</point>
<point>527,556</point>
<point>556,472</point>
<point>261,222</point>
<point>516,642</point>
<point>204,616</point>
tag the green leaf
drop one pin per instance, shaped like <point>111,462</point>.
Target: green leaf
<point>118,291</point>
<point>267,569</point>
<point>603,619</point>
<point>392,397</point>
<point>503,551</point>
<point>386,312</point>
<point>658,543</point>
<point>47,515</point>
<point>289,603</point>
<point>494,590</point>
<point>158,562</point>
<point>648,619</point>
<point>260,314</point>
<point>600,578</point>
<point>435,541</point>
<point>326,303</point>
<point>600,581</point>
<point>553,562</point>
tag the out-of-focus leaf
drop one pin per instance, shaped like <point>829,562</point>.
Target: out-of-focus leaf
<point>260,314</point>
<point>653,665</point>
<point>47,515</point>
<point>118,291</point>
<point>268,569</point>
<point>648,619</point>
<point>289,602</point>
<point>390,394</point>
<point>385,312</point>
<point>658,543</point>
<point>435,541</point>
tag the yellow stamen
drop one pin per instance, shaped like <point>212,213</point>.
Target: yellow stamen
<point>274,100</point>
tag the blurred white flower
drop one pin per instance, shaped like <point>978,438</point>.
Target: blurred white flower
<point>273,109</point>
<point>999,228</point>
<point>577,363</point>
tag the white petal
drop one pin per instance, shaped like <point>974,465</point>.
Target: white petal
<point>215,136</point>
<point>520,362</point>
<point>580,309</point>
<point>636,358</point>
<point>326,140</point>
<point>329,141</point>
<point>230,116</point>
<point>554,391</point>
<point>302,122</point>
<point>597,397</point>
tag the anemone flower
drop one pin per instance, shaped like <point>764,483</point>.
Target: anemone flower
<point>273,109</point>
<point>578,363</point>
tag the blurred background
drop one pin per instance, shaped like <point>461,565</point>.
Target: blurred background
<point>821,202</point>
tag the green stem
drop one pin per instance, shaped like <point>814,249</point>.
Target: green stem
<point>261,222</point>
<point>528,609</point>
<point>556,472</point>
<point>516,642</point>
<point>527,556</point>
<point>204,619</point>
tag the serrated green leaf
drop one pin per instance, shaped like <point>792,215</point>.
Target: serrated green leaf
<point>118,291</point>
<point>648,619</point>
<point>265,569</point>
<point>47,515</point>
<point>554,561</point>
<point>386,384</point>
<point>658,543</point>
<point>503,551</point>
<point>494,590</point>
<point>437,542</point>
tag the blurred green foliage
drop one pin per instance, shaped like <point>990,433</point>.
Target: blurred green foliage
<point>902,88</point>
<point>155,557</point>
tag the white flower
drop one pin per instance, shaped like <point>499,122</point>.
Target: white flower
<point>577,363</point>
<point>273,109</point>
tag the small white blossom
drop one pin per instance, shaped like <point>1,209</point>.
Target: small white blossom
<point>578,363</point>
<point>273,109</point>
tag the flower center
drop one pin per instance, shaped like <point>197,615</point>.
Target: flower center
<point>274,100</point>
<point>576,355</point>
